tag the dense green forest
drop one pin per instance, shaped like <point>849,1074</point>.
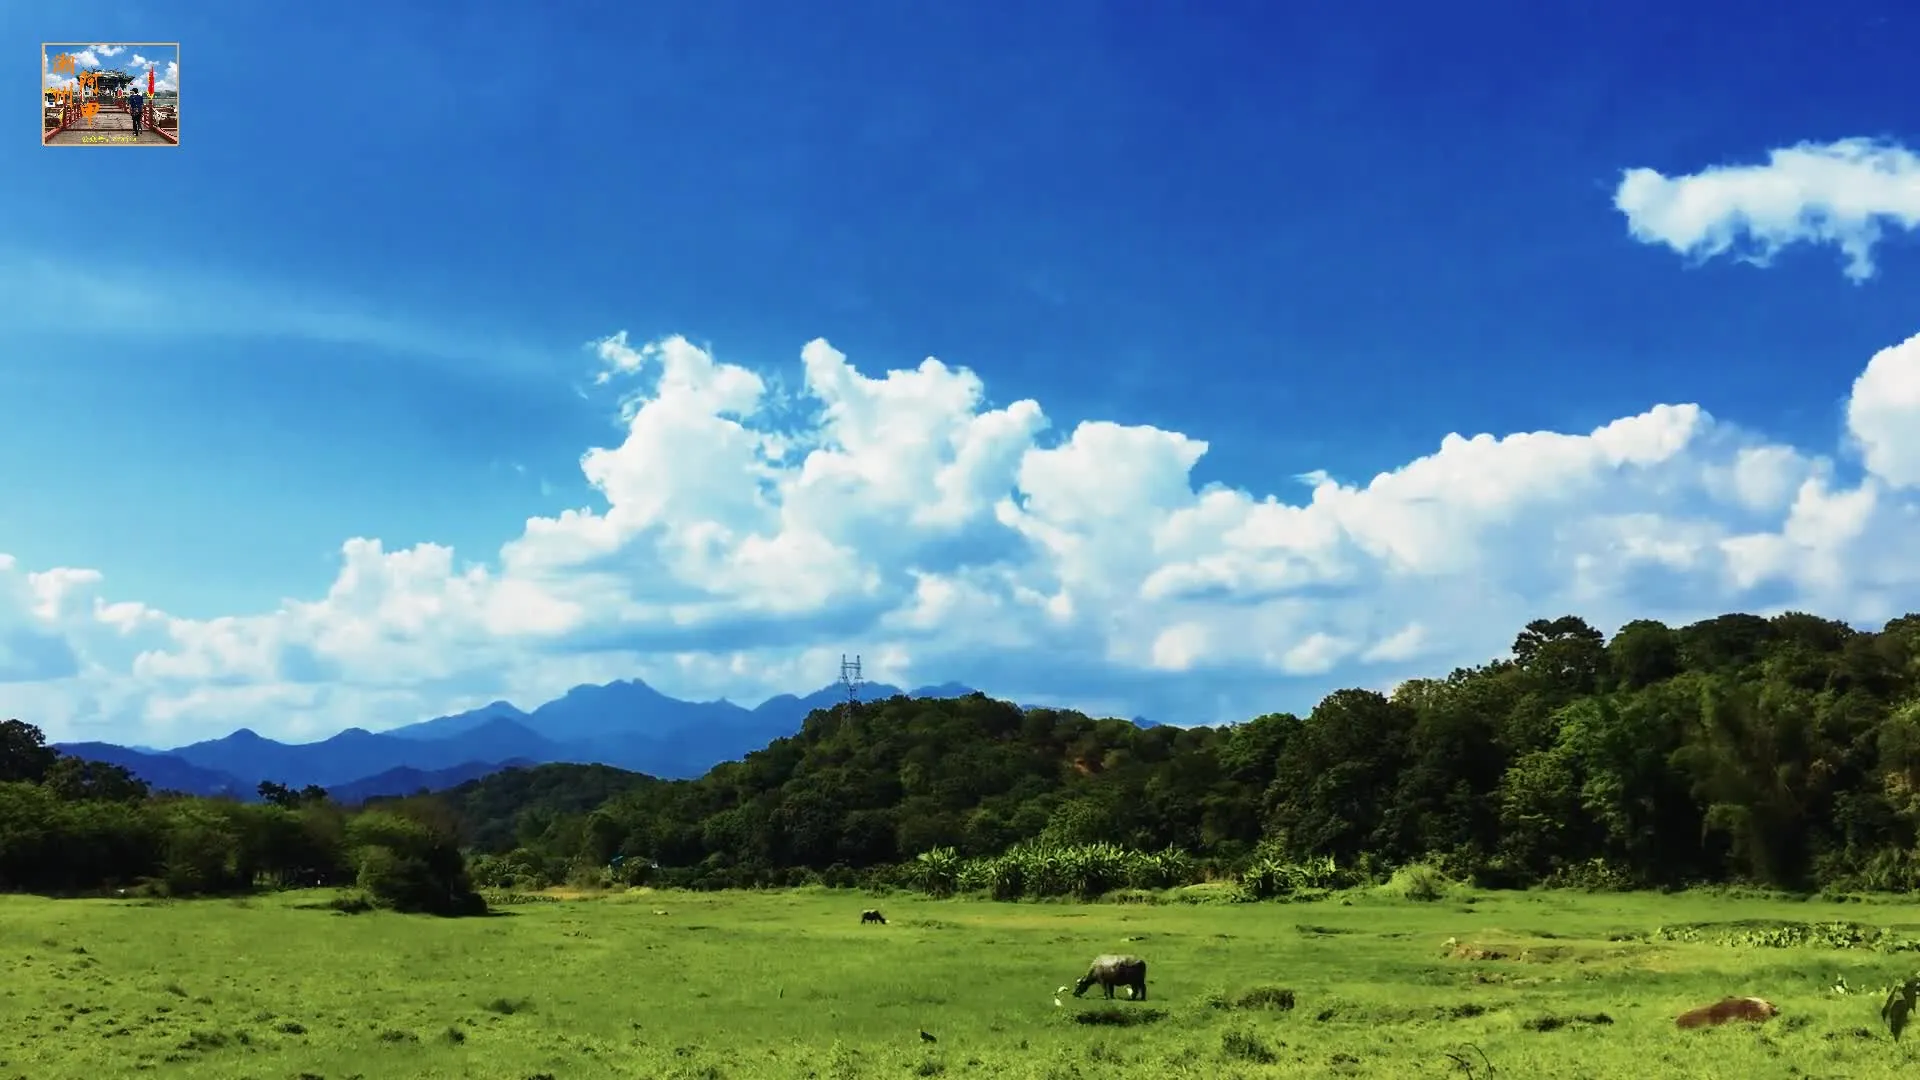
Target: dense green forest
<point>1777,751</point>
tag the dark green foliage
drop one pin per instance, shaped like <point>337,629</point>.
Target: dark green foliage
<point>516,803</point>
<point>85,826</point>
<point>409,862</point>
<point>283,796</point>
<point>24,754</point>
<point>75,780</point>
<point>1778,751</point>
<point>1247,1046</point>
<point>1265,997</point>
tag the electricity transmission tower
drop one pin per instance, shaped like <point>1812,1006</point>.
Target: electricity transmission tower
<point>850,678</point>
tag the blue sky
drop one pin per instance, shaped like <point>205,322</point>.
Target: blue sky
<point>355,312</point>
<point>162,59</point>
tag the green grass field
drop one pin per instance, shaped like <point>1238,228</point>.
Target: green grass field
<point>791,985</point>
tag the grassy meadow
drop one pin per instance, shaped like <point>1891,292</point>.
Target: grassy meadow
<point>791,985</point>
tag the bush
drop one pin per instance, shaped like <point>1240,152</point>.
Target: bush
<point>1592,875</point>
<point>490,872</point>
<point>1038,869</point>
<point>582,874</point>
<point>1247,1046</point>
<point>631,872</point>
<point>409,866</point>
<point>1270,877</point>
<point>1419,882</point>
<point>1502,873</point>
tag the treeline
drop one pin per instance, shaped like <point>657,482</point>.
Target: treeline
<point>1777,751</point>
<point>1781,752</point>
<point>70,826</point>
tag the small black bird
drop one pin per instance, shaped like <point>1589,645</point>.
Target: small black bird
<point>925,1037</point>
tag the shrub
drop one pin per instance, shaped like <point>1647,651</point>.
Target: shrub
<point>1247,1046</point>
<point>1592,875</point>
<point>1419,882</point>
<point>1270,877</point>
<point>1043,869</point>
<point>410,866</point>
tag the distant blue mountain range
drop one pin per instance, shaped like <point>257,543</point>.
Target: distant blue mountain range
<point>625,724</point>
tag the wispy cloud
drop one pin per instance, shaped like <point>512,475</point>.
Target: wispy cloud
<point>43,294</point>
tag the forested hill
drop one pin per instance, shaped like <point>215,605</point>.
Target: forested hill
<point>1780,751</point>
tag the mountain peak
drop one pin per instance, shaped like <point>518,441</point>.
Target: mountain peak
<point>944,690</point>
<point>617,684</point>
<point>625,723</point>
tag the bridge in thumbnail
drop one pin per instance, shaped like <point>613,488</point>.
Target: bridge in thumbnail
<point>97,112</point>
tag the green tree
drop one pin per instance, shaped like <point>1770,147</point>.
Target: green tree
<point>603,835</point>
<point>24,753</point>
<point>1442,799</point>
<point>1749,764</point>
<point>1325,797</point>
<point>411,865</point>
<point>1627,786</point>
<point>74,779</point>
<point>29,836</point>
<point>1726,643</point>
<point>1643,653</point>
<point>200,848</point>
<point>1566,654</point>
<point>1542,824</point>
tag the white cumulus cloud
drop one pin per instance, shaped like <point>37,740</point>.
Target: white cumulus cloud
<point>166,77</point>
<point>51,78</point>
<point>1884,413</point>
<point>742,540</point>
<point>1846,193</point>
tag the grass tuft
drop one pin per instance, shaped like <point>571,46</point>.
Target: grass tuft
<point>1113,1016</point>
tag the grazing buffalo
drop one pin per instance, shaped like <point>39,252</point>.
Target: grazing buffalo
<point>1113,970</point>
<point>872,915</point>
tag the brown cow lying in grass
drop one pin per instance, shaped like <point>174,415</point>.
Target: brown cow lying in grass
<point>1751,1009</point>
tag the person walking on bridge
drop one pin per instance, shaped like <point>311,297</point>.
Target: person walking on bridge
<point>137,105</point>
